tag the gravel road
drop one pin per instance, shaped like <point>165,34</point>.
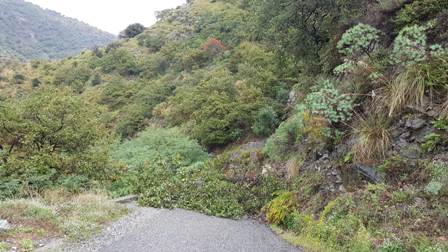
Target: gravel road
<point>160,230</point>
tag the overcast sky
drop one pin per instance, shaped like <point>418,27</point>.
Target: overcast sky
<point>110,15</point>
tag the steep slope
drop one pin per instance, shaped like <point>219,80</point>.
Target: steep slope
<point>329,118</point>
<point>30,32</point>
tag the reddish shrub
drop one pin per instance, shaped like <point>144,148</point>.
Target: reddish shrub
<point>214,47</point>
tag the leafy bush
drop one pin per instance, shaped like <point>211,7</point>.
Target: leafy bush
<point>280,207</point>
<point>157,143</point>
<point>200,188</point>
<point>18,78</point>
<point>358,41</point>
<point>35,83</point>
<point>119,60</point>
<point>132,31</point>
<point>431,142</point>
<point>438,186</point>
<point>74,75</point>
<point>152,41</point>
<point>265,122</point>
<point>48,134</point>
<point>213,47</point>
<point>285,137</point>
<point>215,111</point>
<point>392,246</point>
<point>326,101</point>
<point>410,45</point>
<point>419,11</point>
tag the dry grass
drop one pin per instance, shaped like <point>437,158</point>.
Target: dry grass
<point>408,89</point>
<point>57,214</point>
<point>373,139</point>
<point>293,166</point>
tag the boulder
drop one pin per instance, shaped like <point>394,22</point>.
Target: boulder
<point>415,123</point>
<point>369,173</point>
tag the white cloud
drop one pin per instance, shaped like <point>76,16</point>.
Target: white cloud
<point>110,15</point>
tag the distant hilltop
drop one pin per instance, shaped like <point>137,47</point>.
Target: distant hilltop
<point>29,32</point>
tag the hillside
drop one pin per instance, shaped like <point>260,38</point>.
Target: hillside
<point>30,32</point>
<point>327,119</point>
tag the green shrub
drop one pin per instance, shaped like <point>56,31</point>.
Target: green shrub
<point>213,108</point>
<point>410,45</point>
<point>438,185</point>
<point>49,134</point>
<point>279,208</point>
<point>265,122</point>
<point>96,80</point>
<point>26,245</point>
<point>390,5</point>
<point>326,101</point>
<point>35,83</point>
<point>285,137</point>
<point>419,11</point>
<point>119,60</point>
<point>75,75</point>
<point>200,188</point>
<point>132,31</point>
<point>358,41</point>
<point>151,41</point>
<point>18,78</point>
<point>432,141</point>
<point>155,143</point>
<point>74,183</point>
<point>254,196</point>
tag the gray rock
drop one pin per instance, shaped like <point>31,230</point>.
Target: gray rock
<point>405,135</point>
<point>420,136</point>
<point>415,123</point>
<point>126,199</point>
<point>4,225</point>
<point>411,151</point>
<point>369,173</point>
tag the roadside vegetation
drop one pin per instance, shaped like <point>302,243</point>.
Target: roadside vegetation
<point>327,119</point>
<point>55,214</point>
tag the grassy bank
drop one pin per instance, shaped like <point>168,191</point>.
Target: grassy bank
<point>56,214</point>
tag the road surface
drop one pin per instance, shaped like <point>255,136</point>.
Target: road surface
<point>160,230</point>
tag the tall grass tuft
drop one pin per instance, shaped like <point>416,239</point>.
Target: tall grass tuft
<point>408,89</point>
<point>373,139</point>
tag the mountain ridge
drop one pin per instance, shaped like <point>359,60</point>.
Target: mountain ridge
<point>44,33</point>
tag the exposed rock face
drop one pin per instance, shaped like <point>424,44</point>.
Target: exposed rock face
<point>370,173</point>
<point>246,162</point>
<point>409,133</point>
<point>332,181</point>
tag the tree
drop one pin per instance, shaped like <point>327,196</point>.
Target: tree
<point>132,31</point>
<point>302,28</point>
<point>49,134</point>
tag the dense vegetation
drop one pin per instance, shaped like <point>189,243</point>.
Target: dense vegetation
<point>326,118</point>
<point>30,32</point>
